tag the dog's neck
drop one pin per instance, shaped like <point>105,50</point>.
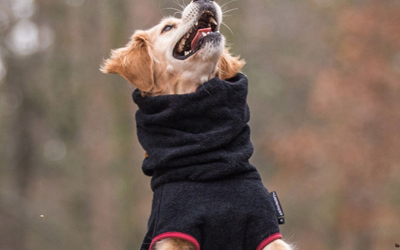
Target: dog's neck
<point>197,137</point>
<point>171,82</point>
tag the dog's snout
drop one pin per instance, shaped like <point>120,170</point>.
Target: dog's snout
<point>204,1</point>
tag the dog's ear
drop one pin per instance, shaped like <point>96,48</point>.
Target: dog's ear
<point>228,65</point>
<point>133,62</point>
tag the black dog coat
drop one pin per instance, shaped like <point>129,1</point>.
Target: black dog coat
<point>198,149</point>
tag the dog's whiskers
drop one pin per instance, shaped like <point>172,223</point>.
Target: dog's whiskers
<point>182,5</point>
<point>227,11</point>
<point>228,44</point>
<point>224,14</point>
<point>161,11</point>
<point>225,4</point>
<point>228,27</point>
<point>177,11</point>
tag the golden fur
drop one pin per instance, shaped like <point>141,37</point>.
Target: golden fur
<point>178,244</point>
<point>147,62</point>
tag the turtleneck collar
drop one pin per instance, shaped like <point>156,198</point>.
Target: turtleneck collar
<point>199,136</point>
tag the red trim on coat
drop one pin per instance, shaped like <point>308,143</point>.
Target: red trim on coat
<point>178,235</point>
<point>268,240</point>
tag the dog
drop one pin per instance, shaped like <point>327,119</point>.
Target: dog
<point>176,57</point>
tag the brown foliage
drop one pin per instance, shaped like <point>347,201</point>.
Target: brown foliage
<point>355,136</point>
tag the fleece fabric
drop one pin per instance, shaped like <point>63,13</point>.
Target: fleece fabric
<point>205,189</point>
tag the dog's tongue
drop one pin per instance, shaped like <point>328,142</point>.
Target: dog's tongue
<point>198,37</point>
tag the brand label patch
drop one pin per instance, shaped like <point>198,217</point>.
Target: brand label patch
<point>278,208</point>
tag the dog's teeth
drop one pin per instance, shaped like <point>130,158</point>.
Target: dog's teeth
<point>212,20</point>
<point>181,45</point>
<point>204,34</point>
<point>187,53</point>
<point>197,23</point>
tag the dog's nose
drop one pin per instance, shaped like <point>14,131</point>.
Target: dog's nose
<point>205,1</point>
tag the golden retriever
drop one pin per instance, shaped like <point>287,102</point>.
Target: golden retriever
<point>176,57</point>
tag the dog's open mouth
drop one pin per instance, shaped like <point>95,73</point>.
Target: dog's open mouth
<point>192,41</point>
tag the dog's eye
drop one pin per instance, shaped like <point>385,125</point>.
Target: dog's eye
<point>167,28</point>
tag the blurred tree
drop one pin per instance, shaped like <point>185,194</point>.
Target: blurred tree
<point>18,148</point>
<point>324,96</point>
<point>351,152</point>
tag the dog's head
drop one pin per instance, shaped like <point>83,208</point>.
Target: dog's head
<point>177,55</point>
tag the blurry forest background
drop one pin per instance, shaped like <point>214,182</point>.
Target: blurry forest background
<point>325,100</point>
